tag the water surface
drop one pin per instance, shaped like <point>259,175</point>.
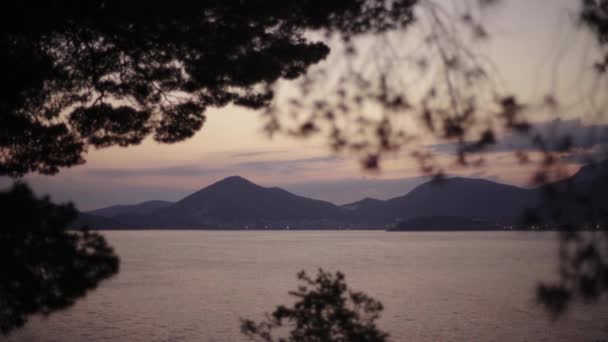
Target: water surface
<point>439,286</point>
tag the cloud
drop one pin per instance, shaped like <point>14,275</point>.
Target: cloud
<point>193,170</point>
<point>571,136</point>
<point>176,171</point>
<point>256,153</point>
<point>289,165</point>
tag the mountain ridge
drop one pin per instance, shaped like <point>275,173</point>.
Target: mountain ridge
<point>237,203</point>
<point>141,207</point>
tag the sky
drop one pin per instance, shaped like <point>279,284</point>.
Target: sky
<point>535,49</point>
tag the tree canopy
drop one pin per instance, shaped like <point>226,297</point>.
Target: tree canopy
<point>94,74</point>
<point>326,310</point>
<point>45,267</point>
<point>102,73</point>
<point>594,15</point>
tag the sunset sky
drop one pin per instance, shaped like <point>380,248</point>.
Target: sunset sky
<point>534,46</point>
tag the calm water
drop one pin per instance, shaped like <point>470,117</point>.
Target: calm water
<point>194,286</point>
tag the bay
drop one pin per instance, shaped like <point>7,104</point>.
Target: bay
<point>435,286</point>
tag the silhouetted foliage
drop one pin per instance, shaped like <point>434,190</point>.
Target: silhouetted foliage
<point>445,90</point>
<point>326,310</point>
<point>93,74</point>
<point>424,80</point>
<point>96,74</point>
<point>594,15</point>
<point>579,207</point>
<point>103,73</point>
<point>44,267</point>
<point>381,96</point>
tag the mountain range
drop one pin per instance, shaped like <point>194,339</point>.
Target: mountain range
<point>237,203</point>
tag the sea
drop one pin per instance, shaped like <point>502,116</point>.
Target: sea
<point>435,286</point>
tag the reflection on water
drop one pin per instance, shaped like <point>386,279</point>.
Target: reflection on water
<point>195,285</point>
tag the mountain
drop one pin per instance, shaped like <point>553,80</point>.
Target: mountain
<point>592,173</point>
<point>580,199</point>
<point>464,197</point>
<point>140,208</point>
<point>364,203</point>
<point>98,222</point>
<point>236,203</point>
<point>456,197</point>
<point>444,223</point>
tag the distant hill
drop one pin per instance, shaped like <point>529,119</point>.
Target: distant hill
<point>140,208</point>
<point>582,198</point>
<point>464,197</point>
<point>237,203</point>
<point>456,197</point>
<point>444,223</point>
<point>592,173</point>
<point>98,222</point>
<point>364,203</point>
